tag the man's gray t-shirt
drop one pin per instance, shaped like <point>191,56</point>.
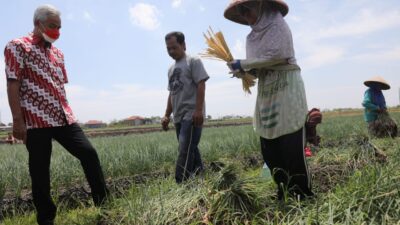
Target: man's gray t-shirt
<point>183,77</point>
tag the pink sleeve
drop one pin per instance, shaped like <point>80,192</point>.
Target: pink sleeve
<point>65,73</point>
<point>14,54</point>
<point>62,66</point>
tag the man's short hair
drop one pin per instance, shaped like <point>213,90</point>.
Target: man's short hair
<point>180,37</point>
<point>43,12</point>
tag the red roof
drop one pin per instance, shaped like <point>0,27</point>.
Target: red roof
<point>92,122</point>
<point>134,118</point>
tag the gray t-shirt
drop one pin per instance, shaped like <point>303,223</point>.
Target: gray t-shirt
<point>183,77</point>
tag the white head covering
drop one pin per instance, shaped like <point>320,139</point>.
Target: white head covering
<point>270,37</point>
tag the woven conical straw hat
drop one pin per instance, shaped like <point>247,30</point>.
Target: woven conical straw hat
<point>231,12</point>
<point>377,80</point>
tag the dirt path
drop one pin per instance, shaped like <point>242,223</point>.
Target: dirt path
<point>143,130</point>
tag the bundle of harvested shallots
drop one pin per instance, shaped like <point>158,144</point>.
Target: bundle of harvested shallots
<point>218,49</point>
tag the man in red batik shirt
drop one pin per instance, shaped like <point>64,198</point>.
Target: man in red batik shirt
<point>35,85</point>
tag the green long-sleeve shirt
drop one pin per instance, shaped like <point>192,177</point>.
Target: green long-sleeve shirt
<point>371,109</point>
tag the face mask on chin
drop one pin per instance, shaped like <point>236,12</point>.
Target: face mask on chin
<point>50,35</point>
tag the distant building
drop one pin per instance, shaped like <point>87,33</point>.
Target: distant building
<point>231,117</point>
<point>156,120</point>
<point>148,121</point>
<point>95,124</point>
<point>134,121</point>
<point>5,128</point>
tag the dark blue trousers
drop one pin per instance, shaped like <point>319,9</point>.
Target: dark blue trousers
<point>189,160</point>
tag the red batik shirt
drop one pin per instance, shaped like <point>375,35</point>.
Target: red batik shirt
<point>42,75</point>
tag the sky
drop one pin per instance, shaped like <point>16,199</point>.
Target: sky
<point>117,62</point>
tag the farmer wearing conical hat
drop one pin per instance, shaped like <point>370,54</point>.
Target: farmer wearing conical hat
<point>375,112</point>
<point>374,101</point>
<point>281,106</point>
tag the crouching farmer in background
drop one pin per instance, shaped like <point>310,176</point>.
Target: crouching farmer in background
<point>35,85</point>
<point>314,117</point>
<point>375,114</point>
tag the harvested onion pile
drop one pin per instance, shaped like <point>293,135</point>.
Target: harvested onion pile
<point>383,126</point>
<point>218,49</point>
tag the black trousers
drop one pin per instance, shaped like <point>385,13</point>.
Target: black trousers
<point>39,145</point>
<point>285,158</point>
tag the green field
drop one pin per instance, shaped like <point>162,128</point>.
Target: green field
<point>353,186</point>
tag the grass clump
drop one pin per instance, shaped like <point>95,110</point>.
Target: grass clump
<point>232,199</point>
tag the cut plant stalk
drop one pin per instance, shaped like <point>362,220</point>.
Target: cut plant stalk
<point>219,50</point>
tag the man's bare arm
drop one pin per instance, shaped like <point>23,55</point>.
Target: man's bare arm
<point>19,127</point>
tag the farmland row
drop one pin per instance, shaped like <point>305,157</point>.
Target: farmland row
<point>124,158</point>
